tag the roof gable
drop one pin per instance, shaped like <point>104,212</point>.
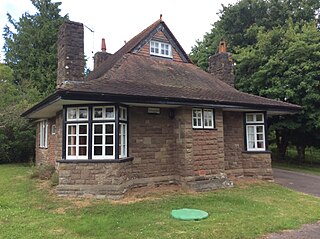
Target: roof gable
<point>163,34</point>
<point>135,45</point>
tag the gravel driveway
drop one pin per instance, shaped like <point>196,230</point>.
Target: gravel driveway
<point>306,183</point>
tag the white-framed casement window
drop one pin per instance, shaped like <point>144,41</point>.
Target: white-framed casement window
<point>103,141</point>
<point>202,118</point>
<point>77,141</point>
<point>43,142</point>
<point>255,131</point>
<point>123,144</point>
<point>104,113</point>
<point>160,49</point>
<point>77,114</point>
<point>123,132</point>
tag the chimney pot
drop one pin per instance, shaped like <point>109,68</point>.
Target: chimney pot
<point>222,46</point>
<point>103,45</point>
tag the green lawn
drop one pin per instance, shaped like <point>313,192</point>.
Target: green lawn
<point>30,210</point>
<point>303,168</point>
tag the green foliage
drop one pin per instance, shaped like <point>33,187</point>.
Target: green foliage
<point>30,46</point>
<point>29,74</point>
<point>16,133</point>
<point>276,46</point>
<point>29,210</point>
<point>240,23</point>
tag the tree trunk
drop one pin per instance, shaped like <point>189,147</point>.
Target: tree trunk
<point>282,144</point>
<point>301,151</point>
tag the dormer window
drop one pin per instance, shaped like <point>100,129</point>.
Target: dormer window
<point>160,49</point>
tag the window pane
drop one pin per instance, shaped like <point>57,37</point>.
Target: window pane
<point>199,122</point>
<point>71,151</point>
<point>97,150</point>
<point>82,151</point>
<point>259,136</point>
<point>97,113</point>
<point>97,140</point>
<point>260,145</point>
<point>110,113</point>
<point>72,129</point>
<point>194,122</point>
<point>109,150</point>
<point>259,129</point>
<point>249,118</point>
<point>83,113</point>
<point>82,129</point>
<point>259,117</point>
<point>72,140</point>
<point>72,113</point>
<point>82,140</point>
<point>109,129</point>
<point>109,139</point>
<point>98,129</point>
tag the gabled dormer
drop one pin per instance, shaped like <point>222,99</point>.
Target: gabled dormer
<point>158,41</point>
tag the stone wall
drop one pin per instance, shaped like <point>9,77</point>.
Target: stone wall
<point>101,180</point>
<point>238,161</point>
<point>151,143</point>
<point>200,153</point>
<point>53,152</point>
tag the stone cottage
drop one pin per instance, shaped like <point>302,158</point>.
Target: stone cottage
<point>147,116</point>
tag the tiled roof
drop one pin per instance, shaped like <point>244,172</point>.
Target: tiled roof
<point>135,75</point>
<point>129,74</point>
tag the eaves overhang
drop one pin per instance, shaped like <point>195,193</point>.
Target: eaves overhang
<point>49,106</point>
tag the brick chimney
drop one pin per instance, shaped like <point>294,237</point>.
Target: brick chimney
<point>101,56</point>
<point>71,60</point>
<point>221,65</point>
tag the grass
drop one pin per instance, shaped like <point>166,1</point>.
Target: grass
<point>29,209</point>
<point>303,168</point>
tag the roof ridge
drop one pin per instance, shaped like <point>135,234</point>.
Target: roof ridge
<point>105,66</point>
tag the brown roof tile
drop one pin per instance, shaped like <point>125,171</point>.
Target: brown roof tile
<point>134,75</point>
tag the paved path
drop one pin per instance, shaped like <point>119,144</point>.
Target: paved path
<point>301,182</point>
<point>306,183</point>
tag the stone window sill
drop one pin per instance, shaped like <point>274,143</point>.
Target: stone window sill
<point>257,152</point>
<point>122,160</point>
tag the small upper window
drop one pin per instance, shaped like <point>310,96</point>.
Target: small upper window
<point>202,118</point>
<point>160,49</point>
<point>77,113</point>
<point>123,113</point>
<point>103,113</point>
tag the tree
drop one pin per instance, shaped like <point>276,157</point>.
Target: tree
<point>285,65</point>
<point>30,47</point>
<point>16,133</point>
<point>240,23</point>
<point>276,47</point>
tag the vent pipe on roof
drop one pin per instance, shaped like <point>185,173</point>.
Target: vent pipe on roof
<point>160,17</point>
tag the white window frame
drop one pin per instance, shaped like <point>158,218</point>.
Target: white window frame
<point>76,145</point>
<point>77,109</point>
<point>43,141</point>
<point>197,126</point>
<point>104,144</point>
<point>159,47</point>
<point>203,116</point>
<point>252,121</point>
<point>104,116</point>
<point>123,113</point>
<point>210,117</point>
<point>123,140</point>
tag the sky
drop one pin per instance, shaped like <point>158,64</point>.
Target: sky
<point>120,20</point>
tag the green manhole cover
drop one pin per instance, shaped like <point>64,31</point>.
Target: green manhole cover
<point>188,214</point>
